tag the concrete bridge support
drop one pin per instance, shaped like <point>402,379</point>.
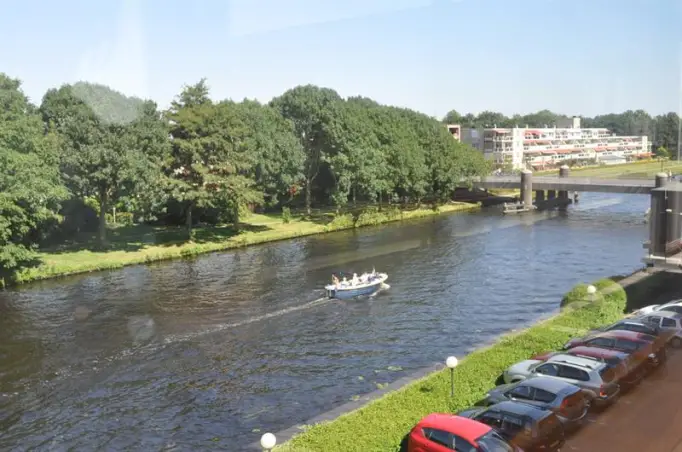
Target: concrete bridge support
<point>551,194</point>
<point>563,195</point>
<point>539,196</point>
<point>527,188</point>
<point>657,218</point>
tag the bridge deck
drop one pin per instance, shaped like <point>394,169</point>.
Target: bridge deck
<point>583,184</point>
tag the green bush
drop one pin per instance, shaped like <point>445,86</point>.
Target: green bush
<point>286,215</point>
<point>122,218</point>
<point>382,424</point>
<point>370,217</point>
<point>343,221</point>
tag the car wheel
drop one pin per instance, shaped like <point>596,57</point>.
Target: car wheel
<point>676,342</point>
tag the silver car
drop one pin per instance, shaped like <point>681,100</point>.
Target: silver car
<point>596,378</point>
<point>667,321</point>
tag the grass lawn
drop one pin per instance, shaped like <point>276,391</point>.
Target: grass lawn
<point>637,170</point>
<point>143,244</point>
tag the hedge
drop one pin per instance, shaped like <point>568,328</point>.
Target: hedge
<point>381,425</point>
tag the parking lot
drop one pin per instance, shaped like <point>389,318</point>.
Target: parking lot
<point>647,419</point>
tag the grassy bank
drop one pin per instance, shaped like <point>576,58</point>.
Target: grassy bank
<point>646,169</point>
<point>141,244</point>
<point>382,424</point>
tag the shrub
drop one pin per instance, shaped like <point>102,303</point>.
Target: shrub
<point>124,218</point>
<point>382,424</point>
<point>286,215</point>
<point>343,221</point>
<point>370,216</point>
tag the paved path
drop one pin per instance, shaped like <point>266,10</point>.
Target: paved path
<point>648,419</point>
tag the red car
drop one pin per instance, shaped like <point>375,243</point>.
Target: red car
<point>446,432</point>
<point>643,347</point>
<point>626,366</point>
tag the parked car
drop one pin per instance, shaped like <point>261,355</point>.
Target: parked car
<point>596,378</point>
<point>643,346</point>
<point>446,433</point>
<point>527,427</point>
<point>668,322</point>
<point>657,307</point>
<point>633,324</point>
<point>565,400</point>
<point>628,368</point>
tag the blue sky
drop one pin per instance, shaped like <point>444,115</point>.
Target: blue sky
<point>571,56</point>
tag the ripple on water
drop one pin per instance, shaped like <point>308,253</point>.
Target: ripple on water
<point>199,353</point>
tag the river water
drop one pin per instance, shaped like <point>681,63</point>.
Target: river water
<point>201,354</point>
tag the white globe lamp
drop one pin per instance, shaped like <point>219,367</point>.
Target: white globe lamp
<point>451,362</point>
<point>268,441</point>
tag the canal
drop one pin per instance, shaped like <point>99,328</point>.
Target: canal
<point>199,354</point>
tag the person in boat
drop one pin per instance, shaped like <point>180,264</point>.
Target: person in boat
<point>345,281</point>
<point>355,279</point>
<point>335,280</point>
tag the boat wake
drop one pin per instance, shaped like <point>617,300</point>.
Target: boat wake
<point>225,326</point>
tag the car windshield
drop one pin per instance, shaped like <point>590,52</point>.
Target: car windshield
<point>492,442</point>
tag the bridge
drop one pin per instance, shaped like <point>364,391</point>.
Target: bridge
<point>664,247</point>
<point>581,184</point>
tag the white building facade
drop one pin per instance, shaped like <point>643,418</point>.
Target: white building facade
<point>538,148</point>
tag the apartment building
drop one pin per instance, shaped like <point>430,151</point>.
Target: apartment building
<point>538,148</point>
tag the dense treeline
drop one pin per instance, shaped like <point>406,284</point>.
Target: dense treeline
<point>89,156</point>
<point>662,130</point>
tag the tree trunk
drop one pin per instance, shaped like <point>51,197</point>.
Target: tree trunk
<point>235,219</point>
<point>103,202</point>
<point>188,219</point>
<point>308,195</point>
<point>354,196</point>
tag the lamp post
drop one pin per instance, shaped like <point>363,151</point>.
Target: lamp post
<point>268,441</point>
<point>452,362</point>
<point>591,290</point>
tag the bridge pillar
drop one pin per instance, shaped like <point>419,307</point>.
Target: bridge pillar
<point>551,194</point>
<point>527,188</point>
<point>539,196</point>
<point>658,224</point>
<point>563,194</point>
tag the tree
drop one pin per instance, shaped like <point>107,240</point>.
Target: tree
<point>452,117</point>
<point>31,191</point>
<point>278,154</point>
<point>662,152</point>
<point>100,155</point>
<point>210,160</point>
<point>312,110</point>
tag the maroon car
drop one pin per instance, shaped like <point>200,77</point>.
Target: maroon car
<point>644,347</point>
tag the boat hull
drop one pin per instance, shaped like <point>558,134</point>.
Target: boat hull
<point>344,293</point>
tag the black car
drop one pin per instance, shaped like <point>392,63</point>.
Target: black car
<point>523,425</point>
<point>565,400</point>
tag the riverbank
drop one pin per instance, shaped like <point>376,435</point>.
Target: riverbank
<point>383,423</point>
<point>645,169</point>
<point>141,244</point>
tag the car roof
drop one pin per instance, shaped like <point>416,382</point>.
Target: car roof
<point>671,314</point>
<point>670,303</point>
<point>459,425</point>
<point>578,361</point>
<point>596,351</point>
<point>547,384</point>
<point>623,334</point>
<point>631,322</point>
<point>520,409</point>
